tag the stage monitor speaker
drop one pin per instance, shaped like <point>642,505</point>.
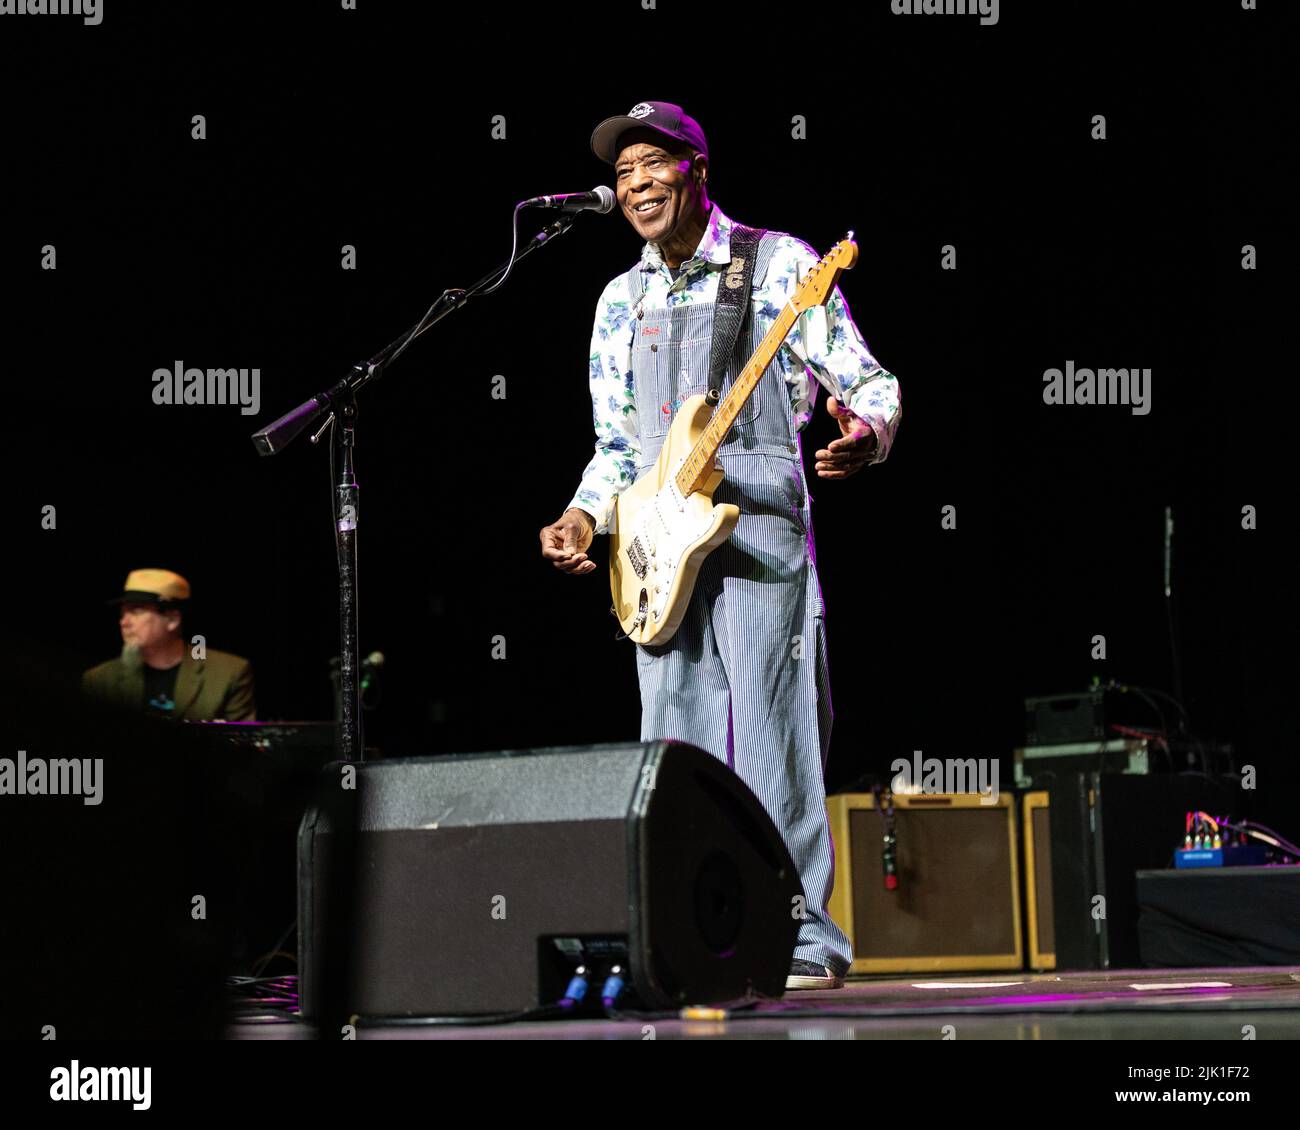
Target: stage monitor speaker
<point>1105,828</point>
<point>477,883</point>
<point>957,906</point>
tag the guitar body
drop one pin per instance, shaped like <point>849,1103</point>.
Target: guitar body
<point>660,538</point>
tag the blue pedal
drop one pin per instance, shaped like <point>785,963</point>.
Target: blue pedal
<point>1230,856</point>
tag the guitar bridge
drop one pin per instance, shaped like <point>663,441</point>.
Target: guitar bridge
<point>637,557</point>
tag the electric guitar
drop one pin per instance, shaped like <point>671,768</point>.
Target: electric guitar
<point>666,524</point>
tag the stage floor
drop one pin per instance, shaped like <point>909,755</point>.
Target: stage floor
<point>1168,1004</point>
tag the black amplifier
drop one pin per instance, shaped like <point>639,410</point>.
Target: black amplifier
<point>1063,719</point>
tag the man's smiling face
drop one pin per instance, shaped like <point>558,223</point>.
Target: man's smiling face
<point>658,191</point>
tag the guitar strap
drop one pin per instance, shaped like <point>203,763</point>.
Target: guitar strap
<point>732,306</point>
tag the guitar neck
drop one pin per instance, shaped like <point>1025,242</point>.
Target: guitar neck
<point>699,463</point>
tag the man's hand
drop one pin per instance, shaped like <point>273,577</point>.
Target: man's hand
<point>848,454</point>
<point>564,541</point>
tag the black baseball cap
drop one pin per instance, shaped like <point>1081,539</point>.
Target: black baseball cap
<point>662,117</point>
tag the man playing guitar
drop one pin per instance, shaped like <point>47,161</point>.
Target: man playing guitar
<point>744,674</point>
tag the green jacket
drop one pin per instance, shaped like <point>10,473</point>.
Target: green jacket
<point>218,687</point>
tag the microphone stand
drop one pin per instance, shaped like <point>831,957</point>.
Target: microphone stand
<point>340,399</point>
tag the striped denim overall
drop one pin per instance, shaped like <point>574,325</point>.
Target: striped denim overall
<point>745,676</point>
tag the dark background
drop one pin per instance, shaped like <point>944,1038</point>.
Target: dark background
<point>373,128</point>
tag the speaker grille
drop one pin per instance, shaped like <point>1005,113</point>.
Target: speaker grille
<point>954,874</point>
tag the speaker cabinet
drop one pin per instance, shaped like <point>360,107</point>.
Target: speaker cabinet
<point>477,883</point>
<point>957,905</point>
<point>1039,911</point>
<point>1105,827</point>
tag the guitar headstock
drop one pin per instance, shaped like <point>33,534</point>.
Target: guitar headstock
<point>820,281</point>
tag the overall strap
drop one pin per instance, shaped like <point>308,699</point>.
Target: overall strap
<point>635,285</point>
<point>732,303</point>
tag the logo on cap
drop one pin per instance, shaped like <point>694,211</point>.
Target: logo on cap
<point>641,110</point>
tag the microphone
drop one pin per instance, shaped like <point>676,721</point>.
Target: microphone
<point>372,662</point>
<point>599,199</point>
<point>889,861</point>
<point>889,850</point>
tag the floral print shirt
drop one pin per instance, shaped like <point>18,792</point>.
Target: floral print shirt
<point>823,347</point>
